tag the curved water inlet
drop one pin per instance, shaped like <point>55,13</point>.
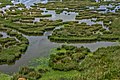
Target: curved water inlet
<point>40,46</point>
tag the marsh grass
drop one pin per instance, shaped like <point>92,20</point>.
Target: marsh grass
<point>101,64</point>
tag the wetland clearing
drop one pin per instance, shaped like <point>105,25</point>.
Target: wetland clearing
<point>59,40</point>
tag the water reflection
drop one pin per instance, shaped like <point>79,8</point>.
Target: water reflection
<point>104,0</point>
<point>4,35</point>
<point>65,16</point>
<point>29,3</point>
<point>113,8</point>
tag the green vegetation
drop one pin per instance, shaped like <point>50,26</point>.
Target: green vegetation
<point>67,58</point>
<point>26,27</point>
<point>66,4</point>
<point>12,46</point>
<point>75,32</point>
<point>4,77</point>
<point>4,3</point>
<point>65,62</point>
<point>72,63</point>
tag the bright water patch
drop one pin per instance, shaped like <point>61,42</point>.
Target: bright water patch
<point>29,3</point>
<point>4,34</point>
<point>104,0</point>
<point>65,16</point>
<point>113,8</point>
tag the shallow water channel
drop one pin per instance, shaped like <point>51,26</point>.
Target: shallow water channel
<point>40,46</point>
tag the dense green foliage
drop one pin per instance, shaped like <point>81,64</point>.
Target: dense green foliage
<point>67,57</point>
<point>72,63</point>
<point>65,62</point>
<point>4,77</point>
<point>75,32</point>
<point>12,46</point>
<point>5,2</point>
